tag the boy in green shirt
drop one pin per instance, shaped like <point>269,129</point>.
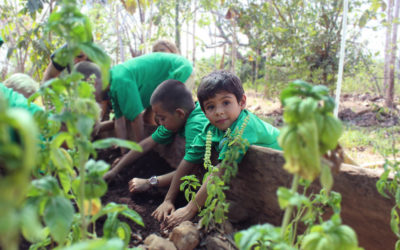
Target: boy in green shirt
<point>223,101</point>
<point>133,82</point>
<point>177,113</point>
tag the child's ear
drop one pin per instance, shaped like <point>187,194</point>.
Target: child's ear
<point>242,102</point>
<point>181,113</point>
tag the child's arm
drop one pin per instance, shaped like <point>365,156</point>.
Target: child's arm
<point>167,206</point>
<point>50,72</point>
<point>189,211</point>
<point>138,127</point>
<point>131,156</point>
<point>120,130</point>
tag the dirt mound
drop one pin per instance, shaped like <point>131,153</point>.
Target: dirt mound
<point>366,110</point>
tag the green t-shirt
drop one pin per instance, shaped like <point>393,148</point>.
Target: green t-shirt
<point>257,132</point>
<point>17,100</point>
<point>133,82</point>
<point>194,126</point>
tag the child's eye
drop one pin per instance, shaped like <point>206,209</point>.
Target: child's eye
<point>210,107</point>
<point>226,103</point>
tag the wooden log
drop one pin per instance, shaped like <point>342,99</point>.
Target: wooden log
<point>253,197</point>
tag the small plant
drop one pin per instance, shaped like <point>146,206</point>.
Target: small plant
<point>216,206</point>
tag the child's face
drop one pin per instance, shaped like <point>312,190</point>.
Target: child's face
<point>223,109</point>
<point>171,121</point>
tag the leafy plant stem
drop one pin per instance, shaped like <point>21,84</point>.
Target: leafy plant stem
<point>289,209</point>
<point>82,161</point>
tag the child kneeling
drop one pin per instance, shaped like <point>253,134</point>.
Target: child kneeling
<point>223,101</point>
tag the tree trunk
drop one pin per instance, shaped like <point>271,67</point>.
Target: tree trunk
<point>233,48</point>
<point>194,32</point>
<point>177,26</point>
<point>119,34</point>
<point>392,62</point>
<point>387,45</point>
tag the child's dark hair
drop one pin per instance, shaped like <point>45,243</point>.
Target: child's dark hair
<point>218,81</point>
<point>87,69</point>
<point>173,94</point>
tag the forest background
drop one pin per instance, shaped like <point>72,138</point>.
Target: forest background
<point>267,43</point>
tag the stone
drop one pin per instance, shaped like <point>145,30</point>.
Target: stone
<point>185,236</point>
<point>154,242</point>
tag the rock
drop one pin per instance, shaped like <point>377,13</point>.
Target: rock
<point>154,242</point>
<point>215,243</point>
<point>185,236</point>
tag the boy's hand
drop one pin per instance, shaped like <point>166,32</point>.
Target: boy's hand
<point>165,209</point>
<point>182,214</point>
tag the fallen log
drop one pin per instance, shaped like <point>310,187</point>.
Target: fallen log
<point>253,197</point>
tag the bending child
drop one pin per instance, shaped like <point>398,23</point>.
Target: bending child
<point>177,113</point>
<point>223,101</point>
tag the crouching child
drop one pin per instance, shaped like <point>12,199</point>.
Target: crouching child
<point>222,99</point>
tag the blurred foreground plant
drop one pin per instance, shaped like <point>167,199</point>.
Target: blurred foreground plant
<point>311,131</point>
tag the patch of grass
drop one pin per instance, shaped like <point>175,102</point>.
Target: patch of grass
<point>380,140</point>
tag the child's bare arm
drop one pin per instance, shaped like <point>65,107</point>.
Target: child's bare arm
<point>167,206</point>
<point>189,211</point>
<point>147,144</point>
<point>138,127</point>
<point>50,72</point>
<point>120,130</point>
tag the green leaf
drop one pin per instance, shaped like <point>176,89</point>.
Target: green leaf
<point>65,181</point>
<point>85,125</point>
<point>97,244</point>
<point>124,232</point>
<point>96,168</point>
<point>133,216</point>
<point>58,216</point>
<point>110,225</point>
<point>47,185</point>
<point>106,143</point>
<point>326,178</point>
<point>95,187</point>
<point>31,228</point>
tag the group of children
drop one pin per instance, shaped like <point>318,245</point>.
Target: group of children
<point>156,89</point>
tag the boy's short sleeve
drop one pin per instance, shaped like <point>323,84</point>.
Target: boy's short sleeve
<point>162,135</point>
<point>125,96</point>
<point>256,132</point>
<point>194,125</point>
<point>195,151</point>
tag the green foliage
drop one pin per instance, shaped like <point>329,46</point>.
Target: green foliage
<point>64,199</point>
<point>18,154</point>
<point>190,184</point>
<point>311,129</point>
<point>388,186</point>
